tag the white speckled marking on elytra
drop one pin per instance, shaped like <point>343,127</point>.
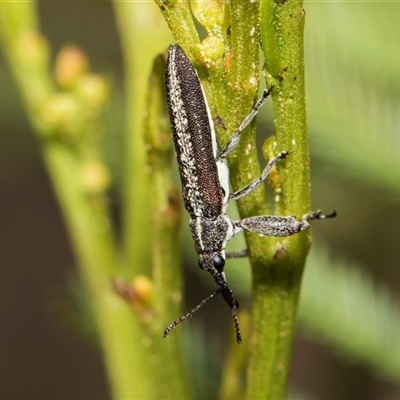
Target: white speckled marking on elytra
<point>293,142</point>
<point>184,139</point>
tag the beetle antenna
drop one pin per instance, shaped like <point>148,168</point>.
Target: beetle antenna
<point>236,324</point>
<point>171,326</point>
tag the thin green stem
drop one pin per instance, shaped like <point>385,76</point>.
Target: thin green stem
<point>232,384</point>
<point>66,153</point>
<point>165,207</point>
<point>135,21</point>
<point>93,243</point>
<point>179,19</point>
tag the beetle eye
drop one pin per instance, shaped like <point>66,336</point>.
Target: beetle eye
<point>219,262</point>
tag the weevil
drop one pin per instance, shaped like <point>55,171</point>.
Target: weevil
<point>204,176</point>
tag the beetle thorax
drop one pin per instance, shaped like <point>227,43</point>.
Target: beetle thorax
<point>211,235</point>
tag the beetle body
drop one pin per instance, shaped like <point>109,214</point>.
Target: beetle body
<point>204,176</point>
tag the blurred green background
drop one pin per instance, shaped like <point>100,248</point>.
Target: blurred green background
<point>347,346</point>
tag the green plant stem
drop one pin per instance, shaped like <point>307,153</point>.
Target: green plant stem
<point>276,284</point>
<point>152,216</point>
<point>178,16</point>
<point>243,78</point>
<point>93,243</point>
<point>166,210</point>
<point>277,264</point>
<point>135,21</point>
<point>87,218</point>
<point>232,384</point>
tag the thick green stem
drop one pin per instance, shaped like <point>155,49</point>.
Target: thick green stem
<point>276,284</point>
<point>229,58</point>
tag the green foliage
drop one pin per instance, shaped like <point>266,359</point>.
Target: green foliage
<point>354,90</point>
<point>360,318</point>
